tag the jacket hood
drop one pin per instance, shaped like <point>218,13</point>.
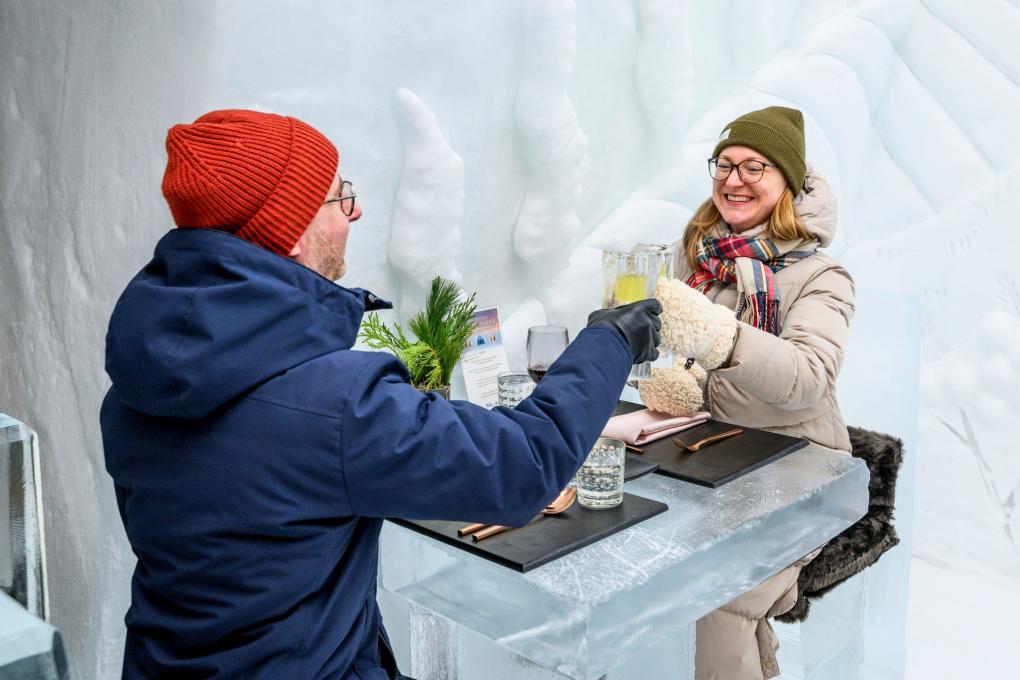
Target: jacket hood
<point>213,316</point>
<point>816,206</point>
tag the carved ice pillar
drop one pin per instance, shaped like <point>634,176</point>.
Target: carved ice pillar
<point>22,548</point>
<point>29,647</point>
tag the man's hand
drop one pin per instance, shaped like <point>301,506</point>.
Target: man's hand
<point>639,324</point>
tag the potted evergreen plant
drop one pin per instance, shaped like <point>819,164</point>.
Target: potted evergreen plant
<point>441,331</point>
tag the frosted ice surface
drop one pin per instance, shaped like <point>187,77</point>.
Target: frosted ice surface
<point>858,630</point>
<point>561,113</point>
<point>515,331</point>
<point>29,647</point>
<point>575,291</point>
<point>22,540</point>
<point>434,649</point>
<point>991,32</point>
<point>969,399</point>
<point>428,209</point>
<point>971,230</point>
<point>552,141</point>
<point>968,88</point>
<point>665,71</point>
<point>656,577</point>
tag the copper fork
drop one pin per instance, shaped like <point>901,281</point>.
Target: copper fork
<point>707,440</point>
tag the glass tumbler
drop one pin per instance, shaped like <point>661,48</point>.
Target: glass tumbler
<point>513,387</point>
<point>632,276</point>
<point>600,480</point>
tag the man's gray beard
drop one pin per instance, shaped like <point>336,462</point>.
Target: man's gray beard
<point>327,260</point>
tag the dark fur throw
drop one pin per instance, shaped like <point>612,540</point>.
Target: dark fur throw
<point>863,543</point>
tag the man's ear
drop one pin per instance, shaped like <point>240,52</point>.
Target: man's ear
<point>295,251</point>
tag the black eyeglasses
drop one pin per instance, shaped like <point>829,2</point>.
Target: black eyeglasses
<point>345,199</point>
<point>749,171</point>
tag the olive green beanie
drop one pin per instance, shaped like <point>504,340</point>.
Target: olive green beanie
<point>778,133</point>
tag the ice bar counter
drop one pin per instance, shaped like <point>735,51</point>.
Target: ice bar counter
<point>624,607</point>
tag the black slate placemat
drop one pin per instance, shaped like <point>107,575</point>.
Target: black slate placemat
<point>546,539</point>
<point>637,466</point>
<point>720,462</point>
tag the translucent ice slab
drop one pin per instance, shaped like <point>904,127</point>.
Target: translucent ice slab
<point>858,631</point>
<point>632,594</point>
<point>22,547</point>
<point>29,647</point>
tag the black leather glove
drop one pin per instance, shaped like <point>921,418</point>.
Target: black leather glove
<point>638,322</point>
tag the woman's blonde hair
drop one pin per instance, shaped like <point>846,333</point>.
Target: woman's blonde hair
<point>784,225</point>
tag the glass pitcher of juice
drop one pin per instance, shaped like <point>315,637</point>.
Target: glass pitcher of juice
<point>629,276</point>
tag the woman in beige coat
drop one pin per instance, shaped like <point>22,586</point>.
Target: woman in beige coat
<point>765,313</point>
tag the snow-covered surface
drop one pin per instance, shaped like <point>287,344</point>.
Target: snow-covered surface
<point>551,127</point>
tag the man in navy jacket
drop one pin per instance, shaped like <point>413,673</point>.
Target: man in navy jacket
<point>254,453</point>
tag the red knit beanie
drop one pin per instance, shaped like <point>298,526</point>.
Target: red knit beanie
<point>257,175</point>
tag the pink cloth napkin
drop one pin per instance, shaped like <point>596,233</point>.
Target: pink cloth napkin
<point>641,427</point>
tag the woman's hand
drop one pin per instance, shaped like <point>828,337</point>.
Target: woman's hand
<point>694,327</point>
<point>678,391</point>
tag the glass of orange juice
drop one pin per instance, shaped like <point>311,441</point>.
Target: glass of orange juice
<point>629,276</point>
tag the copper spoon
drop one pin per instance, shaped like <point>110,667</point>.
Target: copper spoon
<point>558,505</point>
<point>472,528</point>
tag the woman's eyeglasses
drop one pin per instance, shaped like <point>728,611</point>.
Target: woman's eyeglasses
<point>749,171</point>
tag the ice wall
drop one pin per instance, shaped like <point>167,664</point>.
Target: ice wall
<point>498,141</point>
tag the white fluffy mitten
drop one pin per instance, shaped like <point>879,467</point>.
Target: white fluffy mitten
<point>693,326</point>
<point>677,391</point>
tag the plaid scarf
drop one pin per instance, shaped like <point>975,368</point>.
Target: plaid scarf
<point>750,261</point>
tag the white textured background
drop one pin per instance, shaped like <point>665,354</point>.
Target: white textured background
<point>493,142</point>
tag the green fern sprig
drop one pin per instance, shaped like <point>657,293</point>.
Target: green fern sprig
<point>378,336</point>
<point>442,330</point>
<point>445,324</point>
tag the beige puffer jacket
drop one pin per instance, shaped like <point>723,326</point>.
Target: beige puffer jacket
<point>787,383</point>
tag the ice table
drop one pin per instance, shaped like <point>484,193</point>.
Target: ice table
<point>29,647</point>
<point>626,606</point>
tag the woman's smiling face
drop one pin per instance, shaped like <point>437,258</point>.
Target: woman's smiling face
<point>744,205</point>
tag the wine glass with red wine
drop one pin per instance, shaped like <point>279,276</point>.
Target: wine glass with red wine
<point>545,345</point>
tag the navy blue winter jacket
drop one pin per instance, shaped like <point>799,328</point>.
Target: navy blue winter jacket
<point>254,454</point>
